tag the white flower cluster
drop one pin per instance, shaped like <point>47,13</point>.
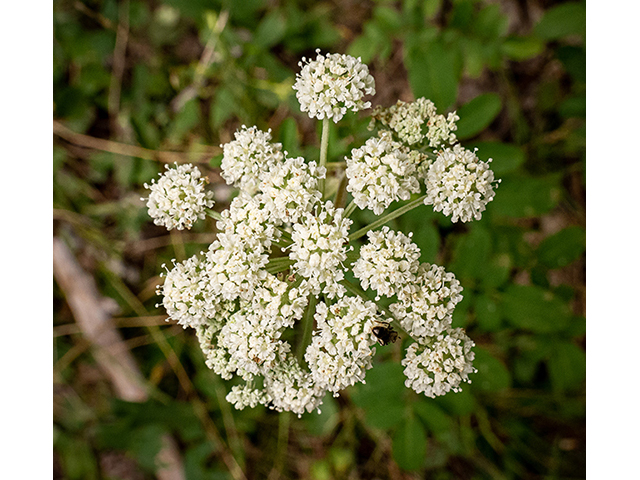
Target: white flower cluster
<point>380,172</point>
<point>459,184</point>
<point>388,263</point>
<point>319,248</point>
<point>414,122</point>
<point>247,156</point>
<point>341,348</point>
<point>178,198</point>
<point>279,259</point>
<point>330,85</point>
<point>440,364</point>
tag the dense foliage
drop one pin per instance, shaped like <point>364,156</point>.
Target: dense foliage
<point>181,76</point>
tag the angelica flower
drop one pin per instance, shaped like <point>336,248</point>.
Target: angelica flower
<point>247,156</point>
<point>388,262</point>
<point>459,184</point>
<point>341,351</point>
<point>178,198</point>
<point>425,306</point>
<point>319,248</point>
<point>380,172</point>
<point>330,85</point>
<point>416,121</point>
<point>440,364</point>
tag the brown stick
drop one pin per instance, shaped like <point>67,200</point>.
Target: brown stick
<point>109,350</point>
<point>131,150</point>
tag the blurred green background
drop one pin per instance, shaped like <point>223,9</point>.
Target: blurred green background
<point>137,81</point>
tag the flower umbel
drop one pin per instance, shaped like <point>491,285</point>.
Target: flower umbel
<point>330,85</point>
<point>272,300</point>
<point>178,198</point>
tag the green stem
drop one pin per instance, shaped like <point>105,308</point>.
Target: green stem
<point>324,147</point>
<point>388,217</point>
<point>341,194</point>
<point>350,209</point>
<point>307,325</point>
<point>213,214</point>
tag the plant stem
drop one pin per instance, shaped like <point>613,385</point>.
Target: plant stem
<point>324,146</point>
<point>349,210</point>
<point>307,326</point>
<point>213,214</point>
<point>388,217</point>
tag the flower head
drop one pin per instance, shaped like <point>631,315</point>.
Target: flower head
<point>178,198</point>
<point>416,121</point>
<point>388,262</point>
<point>440,364</point>
<point>341,348</point>
<point>330,85</point>
<point>425,306</point>
<point>249,154</point>
<point>459,184</point>
<point>319,247</point>
<point>380,172</point>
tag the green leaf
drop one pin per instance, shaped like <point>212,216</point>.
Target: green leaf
<point>458,403</point>
<point>323,423</point>
<point>522,48</point>
<point>524,196</point>
<point>562,248</point>
<point>145,444</point>
<point>534,308</point>
<point>271,29</point>
<point>476,115</point>
<point>435,419</point>
<point>187,118</point>
<point>488,313</point>
<point>77,457</point>
<point>567,366</point>
<point>505,157</point>
<point>565,19</point>
<point>432,72</point>
<point>471,253</point>
<point>492,375</point>
<point>410,445</point>
<point>574,60</point>
<point>381,397</point>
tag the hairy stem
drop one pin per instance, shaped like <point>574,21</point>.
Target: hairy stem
<point>388,217</point>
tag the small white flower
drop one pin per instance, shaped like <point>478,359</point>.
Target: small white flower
<point>289,189</point>
<point>341,350</point>
<point>459,184</point>
<point>440,364</point>
<point>380,172</point>
<point>416,121</point>
<point>424,307</point>
<point>242,396</point>
<point>330,85</point>
<point>388,262</point>
<point>247,156</point>
<point>178,199</point>
<point>320,247</point>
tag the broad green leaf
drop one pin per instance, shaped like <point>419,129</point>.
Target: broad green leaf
<point>534,308</point>
<point>567,366</point>
<point>186,119</point>
<point>505,157</point>
<point>324,422</point>
<point>568,18</point>
<point>458,403</point>
<point>562,248</point>
<point>145,443</point>
<point>432,73</point>
<point>476,115</point>
<point>410,444</point>
<point>522,48</point>
<point>574,59</point>
<point>525,196</point>
<point>492,375</point>
<point>435,419</point>
<point>77,457</point>
<point>271,29</point>
<point>488,313</point>
<point>471,253</point>
<point>381,397</point>
<point>289,137</point>
<point>490,23</point>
